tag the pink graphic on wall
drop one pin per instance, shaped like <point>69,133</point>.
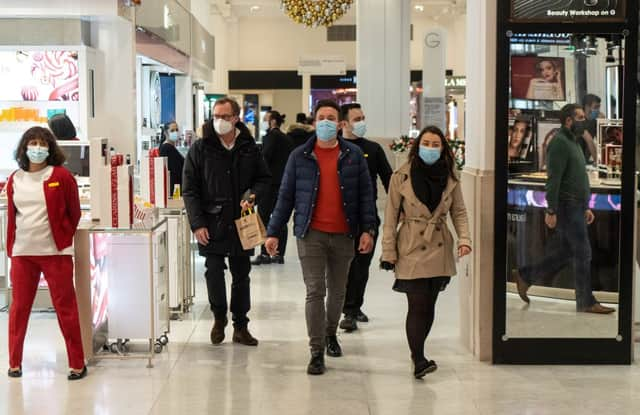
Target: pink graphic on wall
<point>50,75</point>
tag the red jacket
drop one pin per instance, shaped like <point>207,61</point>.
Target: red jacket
<point>63,208</point>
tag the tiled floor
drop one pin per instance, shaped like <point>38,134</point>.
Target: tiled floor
<point>374,377</point>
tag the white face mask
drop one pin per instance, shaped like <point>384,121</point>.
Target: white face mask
<point>222,127</point>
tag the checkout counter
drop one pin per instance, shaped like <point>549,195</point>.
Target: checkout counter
<point>527,237</point>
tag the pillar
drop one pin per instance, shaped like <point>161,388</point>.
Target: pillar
<point>477,274</point>
<point>382,55</point>
<point>306,92</point>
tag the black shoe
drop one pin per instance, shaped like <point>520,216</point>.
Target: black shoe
<point>278,259</point>
<point>316,364</point>
<point>333,347</point>
<point>217,331</point>
<point>522,285</point>
<point>362,317</point>
<point>241,335</point>
<point>78,376</point>
<point>261,260</point>
<point>423,368</point>
<point>349,324</point>
<point>15,373</point>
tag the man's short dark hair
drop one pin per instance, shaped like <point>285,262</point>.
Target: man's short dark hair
<point>568,111</point>
<point>590,99</point>
<point>344,110</point>
<point>228,100</point>
<point>62,127</point>
<point>301,118</point>
<point>326,103</point>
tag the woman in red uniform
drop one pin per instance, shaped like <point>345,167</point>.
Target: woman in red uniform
<point>43,214</point>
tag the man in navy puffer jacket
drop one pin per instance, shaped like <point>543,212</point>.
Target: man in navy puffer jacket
<point>328,183</point>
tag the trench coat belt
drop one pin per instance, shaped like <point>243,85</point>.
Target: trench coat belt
<point>431,224</point>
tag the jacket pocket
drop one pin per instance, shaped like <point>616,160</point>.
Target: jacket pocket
<point>215,222</point>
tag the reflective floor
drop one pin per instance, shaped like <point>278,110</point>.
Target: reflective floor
<point>374,377</point>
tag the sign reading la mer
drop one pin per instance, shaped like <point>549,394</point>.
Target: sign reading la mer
<point>568,10</point>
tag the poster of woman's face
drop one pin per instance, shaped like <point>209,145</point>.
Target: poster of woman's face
<point>520,134</point>
<point>538,78</point>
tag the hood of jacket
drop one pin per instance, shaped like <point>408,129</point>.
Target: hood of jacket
<point>210,136</point>
<point>304,127</point>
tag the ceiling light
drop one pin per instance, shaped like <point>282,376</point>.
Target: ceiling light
<point>255,8</point>
<point>419,7</point>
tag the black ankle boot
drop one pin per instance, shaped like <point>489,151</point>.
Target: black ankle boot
<point>316,364</point>
<point>333,347</point>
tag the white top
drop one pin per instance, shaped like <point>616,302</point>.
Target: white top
<point>33,233</point>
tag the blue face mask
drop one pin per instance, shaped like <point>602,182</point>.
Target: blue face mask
<point>173,136</point>
<point>594,114</point>
<point>37,154</point>
<point>359,129</point>
<point>429,155</point>
<point>326,130</point>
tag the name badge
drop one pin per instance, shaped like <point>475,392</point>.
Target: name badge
<point>54,184</point>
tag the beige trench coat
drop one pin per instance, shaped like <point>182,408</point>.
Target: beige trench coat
<point>418,241</point>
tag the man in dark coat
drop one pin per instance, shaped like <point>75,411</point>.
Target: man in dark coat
<point>301,131</point>
<point>224,174</point>
<point>354,130</point>
<point>327,182</point>
<point>276,149</point>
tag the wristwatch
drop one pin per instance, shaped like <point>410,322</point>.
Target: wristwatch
<point>550,211</point>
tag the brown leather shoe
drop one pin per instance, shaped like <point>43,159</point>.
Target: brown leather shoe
<point>523,286</point>
<point>242,336</point>
<point>598,308</point>
<point>217,332</point>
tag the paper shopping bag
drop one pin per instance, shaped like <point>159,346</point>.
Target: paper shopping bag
<point>251,230</point>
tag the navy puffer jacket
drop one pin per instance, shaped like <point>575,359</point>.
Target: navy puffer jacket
<point>299,190</point>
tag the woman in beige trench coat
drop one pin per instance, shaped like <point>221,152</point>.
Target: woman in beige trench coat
<point>417,243</point>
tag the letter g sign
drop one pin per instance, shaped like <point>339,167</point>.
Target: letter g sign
<point>432,40</point>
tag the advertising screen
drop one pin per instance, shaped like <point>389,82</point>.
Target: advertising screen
<point>567,10</point>
<point>538,78</point>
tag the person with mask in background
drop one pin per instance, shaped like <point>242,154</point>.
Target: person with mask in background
<point>43,209</point>
<point>301,131</point>
<point>276,149</point>
<point>63,128</point>
<point>417,243</point>
<point>568,213</point>
<point>592,104</point>
<point>224,175</point>
<point>327,181</point>
<point>175,159</point>
<point>354,129</point>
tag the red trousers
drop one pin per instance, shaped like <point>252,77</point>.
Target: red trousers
<point>25,276</point>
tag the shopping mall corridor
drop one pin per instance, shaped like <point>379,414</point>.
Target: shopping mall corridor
<point>374,376</point>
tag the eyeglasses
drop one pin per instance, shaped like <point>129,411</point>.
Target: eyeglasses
<point>226,117</point>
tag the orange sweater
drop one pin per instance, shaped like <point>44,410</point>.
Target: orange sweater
<point>328,214</point>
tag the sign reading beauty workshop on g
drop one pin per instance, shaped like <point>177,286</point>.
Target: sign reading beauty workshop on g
<point>568,10</point>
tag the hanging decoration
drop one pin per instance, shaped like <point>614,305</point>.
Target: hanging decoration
<point>313,13</point>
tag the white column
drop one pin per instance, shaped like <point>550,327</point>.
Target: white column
<point>306,92</point>
<point>476,273</point>
<point>382,53</point>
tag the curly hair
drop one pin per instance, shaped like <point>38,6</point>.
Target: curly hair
<point>56,156</point>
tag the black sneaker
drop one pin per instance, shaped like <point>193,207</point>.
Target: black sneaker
<point>261,260</point>
<point>349,324</point>
<point>15,373</point>
<point>362,317</point>
<point>78,375</point>
<point>333,347</point>
<point>316,364</point>
<point>278,259</point>
<point>423,368</point>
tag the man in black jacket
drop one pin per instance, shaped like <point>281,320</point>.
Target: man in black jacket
<point>354,129</point>
<point>301,131</point>
<point>327,182</point>
<point>276,149</point>
<point>220,169</point>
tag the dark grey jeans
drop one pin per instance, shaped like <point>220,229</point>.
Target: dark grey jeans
<point>325,260</point>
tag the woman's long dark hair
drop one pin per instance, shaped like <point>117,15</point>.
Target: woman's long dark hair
<point>447,152</point>
<point>56,156</point>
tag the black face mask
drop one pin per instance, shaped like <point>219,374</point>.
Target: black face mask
<point>578,127</point>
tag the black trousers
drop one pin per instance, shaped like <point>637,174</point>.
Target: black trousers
<point>358,278</point>
<point>265,209</point>
<point>240,288</point>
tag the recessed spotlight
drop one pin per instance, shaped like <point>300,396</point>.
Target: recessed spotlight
<point>419,7</point>
<point>255,8</point>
